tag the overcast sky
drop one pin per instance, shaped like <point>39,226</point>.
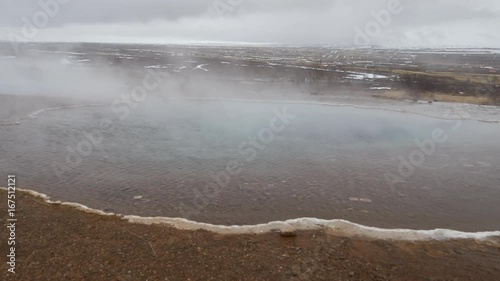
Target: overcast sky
<point>418,23</point>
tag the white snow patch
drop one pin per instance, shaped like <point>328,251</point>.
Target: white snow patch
<point>158,66</point>
<point>201,67</point>
<point>362,76</point>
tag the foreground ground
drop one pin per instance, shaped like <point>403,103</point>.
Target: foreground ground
<point>61,243</point>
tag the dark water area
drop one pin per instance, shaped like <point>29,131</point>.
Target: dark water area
<point>248,163</point>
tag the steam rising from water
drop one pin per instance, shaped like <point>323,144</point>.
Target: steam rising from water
<point>100,77</point>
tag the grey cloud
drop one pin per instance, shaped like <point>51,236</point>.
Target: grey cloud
<point>421,23</point>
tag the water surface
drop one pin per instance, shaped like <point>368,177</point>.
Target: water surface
<point>329,162</point>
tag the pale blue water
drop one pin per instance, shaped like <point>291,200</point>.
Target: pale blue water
<point>168,151</point>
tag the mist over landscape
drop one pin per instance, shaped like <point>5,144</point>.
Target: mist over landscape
<point>250,140</point>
